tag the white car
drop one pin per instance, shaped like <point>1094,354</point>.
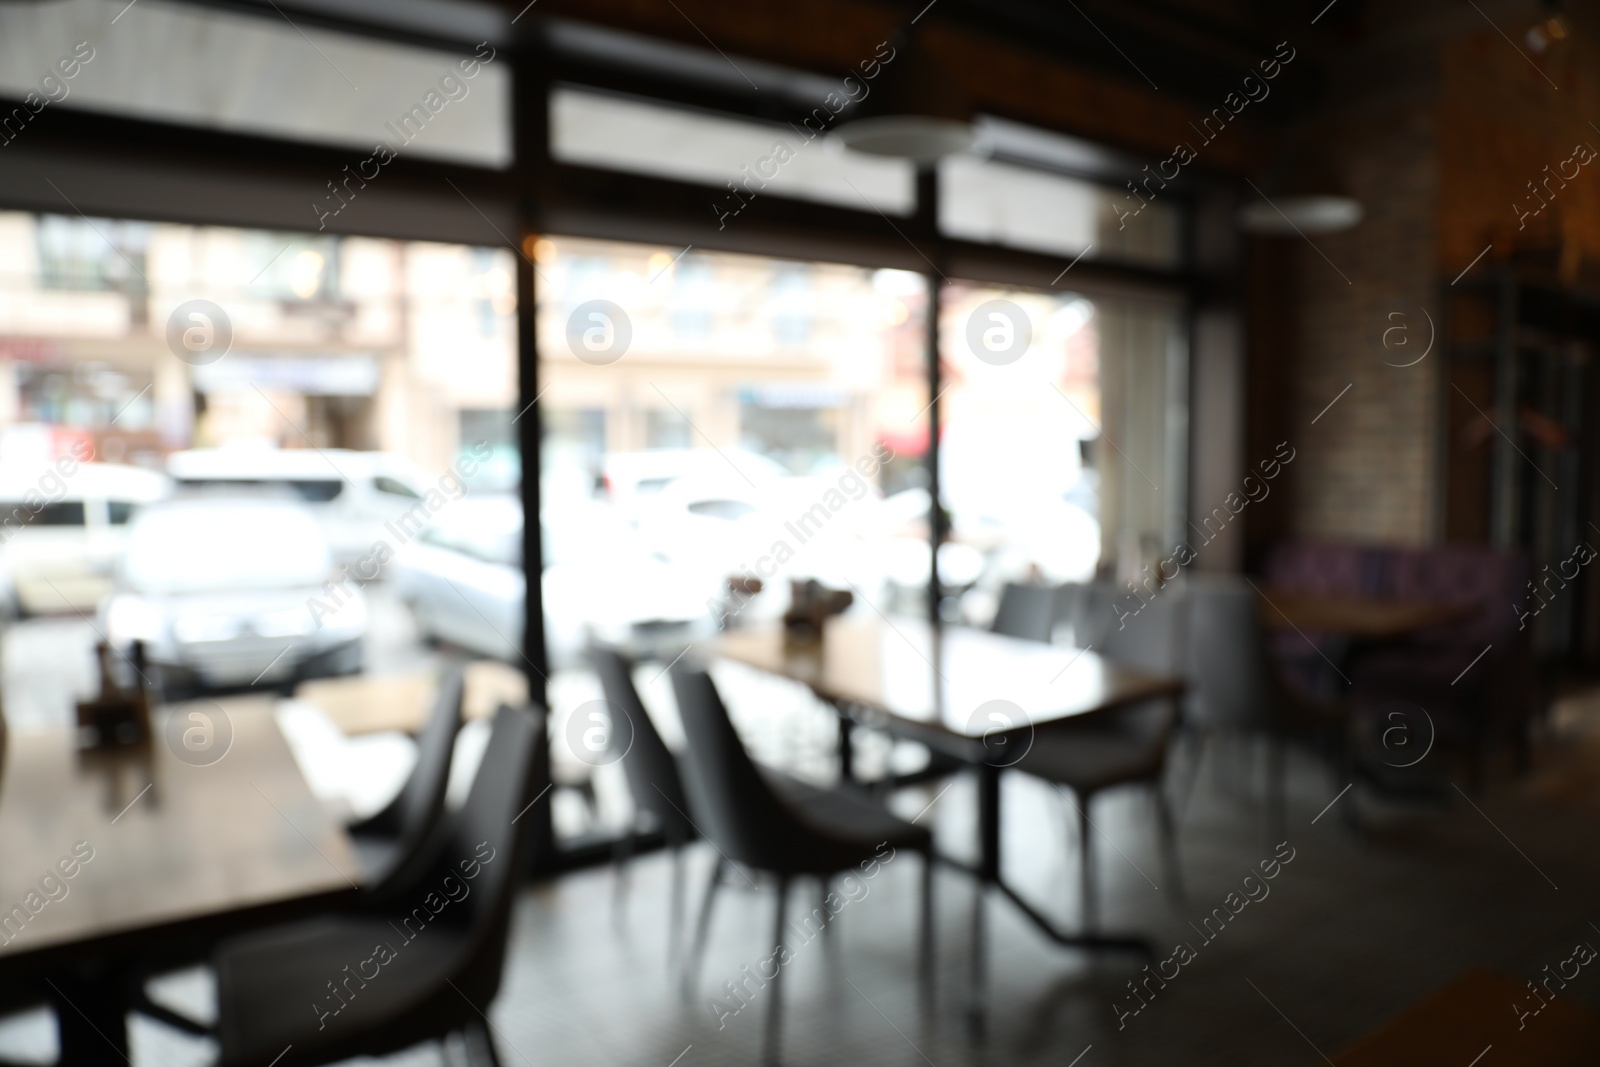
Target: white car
<point>227,591</point>
<point>352,494</point>
<point>464,582</point>
<point>462,576</point>
<point>632,479</point>
<point>61,534</point>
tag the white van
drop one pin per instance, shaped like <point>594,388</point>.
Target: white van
<point>352,494</point>
<point>62,532</point>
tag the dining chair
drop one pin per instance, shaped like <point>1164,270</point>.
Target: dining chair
<point>769,823</point>
<point>1237,689</point>
<point>1125,747</point>
<point>1025,611</point>
<point>395,843</point>
<point>391,844</point>
<point>654,779</point>
<point>1071,610</point>
<point>301,994</point>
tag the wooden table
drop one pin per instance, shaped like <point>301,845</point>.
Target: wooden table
<point>181,853</point>
<point>1361,618</point>
<point>1474,1012</point>
<point>945,688</point>
<point>372,703</point>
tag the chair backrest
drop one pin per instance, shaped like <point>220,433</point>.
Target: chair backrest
<point>650,767</point>
<point>1072,609</point>
<point>1233,681</point>
<point>1149,633</point>
<point>415,813</point>
<point>1092,608</point>
<point>508,781</point>
<point>1025,611</point>
<point>732,804</point>
<point>457,909</point>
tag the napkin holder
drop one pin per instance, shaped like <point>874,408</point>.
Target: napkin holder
<point>116,716</point>
<point>810,605</point>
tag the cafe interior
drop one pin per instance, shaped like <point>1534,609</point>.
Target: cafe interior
<point>677,532</point>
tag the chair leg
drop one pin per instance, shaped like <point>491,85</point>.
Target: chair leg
<point>769,1052</point>
<point>1197,745</point>
<point>1169,843</point>
<point>978,982</point>
<point>691,962</point>
<point>1277,804</point>
<point>621,857</point>
<point>143,1005</point>
<point>926,949</point>
<point>483,1044</point>
<point>823,883</point>
<point>675,920</point>
<point>1086,862</point>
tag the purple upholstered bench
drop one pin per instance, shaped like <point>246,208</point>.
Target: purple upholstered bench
<point>1495,697</point>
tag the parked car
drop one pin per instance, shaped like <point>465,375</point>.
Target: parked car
<point>463,580</point>
<point>228,591</point>
<point>632,479</point>
<point>62,535</point>
<point>352,494</point>
<point>462,576</point>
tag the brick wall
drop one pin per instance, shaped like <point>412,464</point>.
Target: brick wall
<point>1365,466</point>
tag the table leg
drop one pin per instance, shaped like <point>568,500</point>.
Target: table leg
<point>91,1017</point>
<point>988,822</point>
<point>988,874</point>
<point>978,984</point>
<point>846,751</point>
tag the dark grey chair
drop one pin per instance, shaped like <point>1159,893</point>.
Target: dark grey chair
<point>1025,611</point>
<point>1072,609</point>
<point>654,779</point>
<point>1239,690</point>
<point>397,843</point>
<point>392,844</point>
<point>301,994</point>
<point>1124,747</point>
<point>765,822</point>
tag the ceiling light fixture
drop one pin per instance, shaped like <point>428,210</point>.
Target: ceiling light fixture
<point>1301,194</point>
<point>914,111</point>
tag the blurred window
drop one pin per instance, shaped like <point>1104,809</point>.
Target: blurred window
<point>317,490</point>
<point>119,511</point>
<point>261,74</point>
<point>1025,207</point>
<point>491,545</point>
<point>730,510</point>
<point>662,141</point>
<point>60,513</point>
<point>394,487</point>
<point>311,490</point>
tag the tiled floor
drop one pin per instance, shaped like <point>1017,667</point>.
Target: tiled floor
<point>1352,931</point>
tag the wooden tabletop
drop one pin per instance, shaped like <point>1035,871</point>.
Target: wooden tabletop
<point>159,845</point>
<point>1361,617</point>
<point>370,703</point>
<point>950,682</point>
<point>1456,1024</point>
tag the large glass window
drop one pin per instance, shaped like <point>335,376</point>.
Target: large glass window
<point>710,417</point>
<point>272,460</point>
<point>1059,450</point>
<point>1024,207</point>
<point>256,74</point>
<point>758,159</point>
